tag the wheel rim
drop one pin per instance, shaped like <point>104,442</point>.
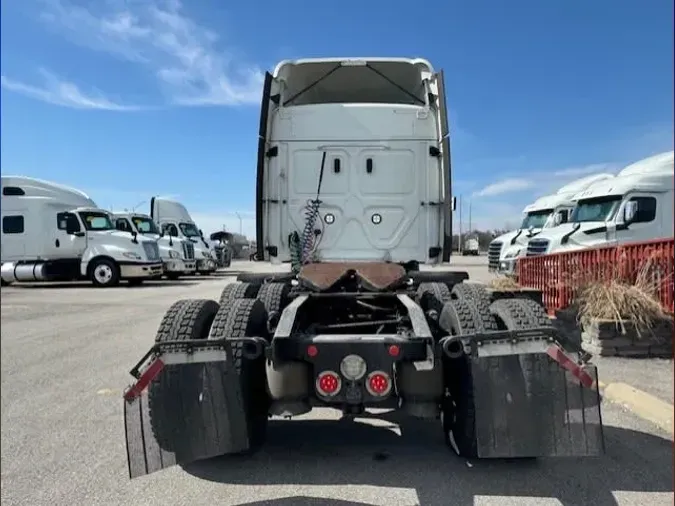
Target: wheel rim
<point>103,274</point>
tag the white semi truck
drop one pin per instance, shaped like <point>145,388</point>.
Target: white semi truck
<point>366,142</point>
<point>178,255</point>
<point>544,213</point>
<point>51,232</point>
<point>174,220</point>
<point>635,206</point>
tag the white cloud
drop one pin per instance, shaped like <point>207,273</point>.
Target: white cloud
<point>586,169</point>
<point>505,186</point>
<point>156,35</point>
<point>64,93</point>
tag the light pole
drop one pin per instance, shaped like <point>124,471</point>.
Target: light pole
<point>241,226</point>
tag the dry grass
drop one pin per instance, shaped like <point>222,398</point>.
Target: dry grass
<point>616,298</point>
<point>505,284</point>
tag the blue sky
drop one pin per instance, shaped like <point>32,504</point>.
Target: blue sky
<point>126,99</point>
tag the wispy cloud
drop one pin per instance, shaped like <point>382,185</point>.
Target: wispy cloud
<point>56,91</point>
<point>585,170</point>
<point>505,186</point>
<point>182,55</point>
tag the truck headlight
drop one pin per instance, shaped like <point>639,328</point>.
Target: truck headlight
<point>132,255</point>
<point>173,254</point>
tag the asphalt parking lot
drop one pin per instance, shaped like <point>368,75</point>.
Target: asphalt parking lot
<point>66,352</point>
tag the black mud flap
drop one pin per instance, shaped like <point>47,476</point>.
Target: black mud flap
<point>177,413</point>
<point>532,400</point>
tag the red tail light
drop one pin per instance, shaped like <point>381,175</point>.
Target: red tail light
<point>328,383</point>
<point>378,383</point>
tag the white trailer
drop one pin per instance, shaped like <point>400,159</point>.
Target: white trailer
<point>178,255</point>
<point>635,206</point>
<point>53,232</point>
<point>471,247</point>
<point>174,220</point>
<point>544,213</point>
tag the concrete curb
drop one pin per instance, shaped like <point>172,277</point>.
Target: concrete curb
<point>644,405</point>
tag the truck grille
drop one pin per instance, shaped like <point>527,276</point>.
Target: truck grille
<point>494,250</point>
<point>188,250</point>
<point>151,251</point>
<point>537,247</point>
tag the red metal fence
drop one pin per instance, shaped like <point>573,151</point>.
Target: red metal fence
<point>559,275</point>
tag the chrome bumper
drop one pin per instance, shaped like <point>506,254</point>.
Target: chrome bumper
<point>179,266</point>
<point>206,264</point>
<point>138,270</point>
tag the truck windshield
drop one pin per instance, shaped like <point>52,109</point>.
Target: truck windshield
<point>596,209</point>
<point>189,229</point>
<point>145,225</point>
<point>96,220</point>
<point>536,219</point>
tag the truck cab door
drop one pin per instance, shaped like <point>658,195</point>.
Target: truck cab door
<point>71,239</point>
<point>645,222</point>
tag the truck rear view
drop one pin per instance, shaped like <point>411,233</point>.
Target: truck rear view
<point>354,190</point>
<point>354,162</point>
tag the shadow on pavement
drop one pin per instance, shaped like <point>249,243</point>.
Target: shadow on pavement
<point>323,452</point>
<point>304,501</point>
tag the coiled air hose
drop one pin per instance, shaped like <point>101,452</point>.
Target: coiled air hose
<point>302,247</point>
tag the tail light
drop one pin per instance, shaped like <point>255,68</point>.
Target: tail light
<point>328,383</point>
<point>378,383</point>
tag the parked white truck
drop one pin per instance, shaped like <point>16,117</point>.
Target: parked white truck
<point>471,247</point>
<point>178,255</point>
<point>635,206</point>
<point>51,232</point>
<point>546,212</point>
<point>174,220</point>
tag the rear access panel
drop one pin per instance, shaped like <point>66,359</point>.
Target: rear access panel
<point>528,405</point>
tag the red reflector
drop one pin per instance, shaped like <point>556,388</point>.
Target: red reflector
<point>394,350</point>
<point>144,380</point>
<point>378,384</point>
<point>312,351</point>
<point>328,383</point>
<point>567,363</point>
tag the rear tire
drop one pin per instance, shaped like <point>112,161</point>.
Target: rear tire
<point>247,318</point>
<point>432,295</point>
<point>274,296</point>
<point>238,291</point>
<point>526,370</point>
<point>177,388</point>
<point>460,317</point>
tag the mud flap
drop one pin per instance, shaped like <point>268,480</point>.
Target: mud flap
<point>195,411</point>
<point>532,400</point>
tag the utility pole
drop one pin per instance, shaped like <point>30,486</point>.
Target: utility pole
<point>470,229</point>
<point>241,227</point>
<point>459,246</point>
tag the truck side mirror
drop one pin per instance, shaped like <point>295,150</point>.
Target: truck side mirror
<point>72,226</point>
<point>630,211</point>
<point>201,233</point>
<point>557,219</point>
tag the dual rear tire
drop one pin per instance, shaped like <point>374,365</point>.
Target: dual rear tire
<point>174,398</point>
